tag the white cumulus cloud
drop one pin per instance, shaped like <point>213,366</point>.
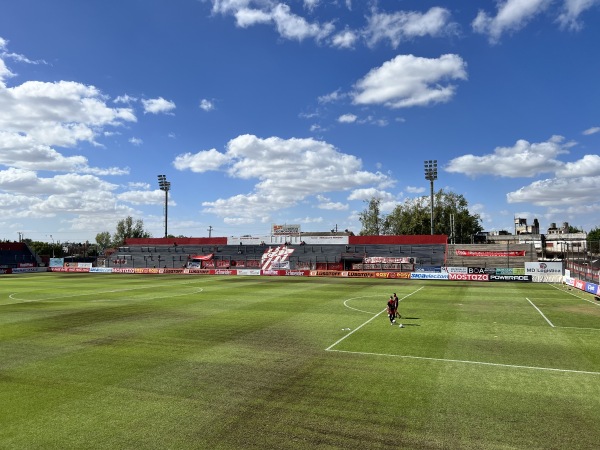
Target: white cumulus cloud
<point>409,80</point>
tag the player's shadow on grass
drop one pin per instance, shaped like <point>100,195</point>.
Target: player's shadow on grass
<point>411,318</point>
<point>411,325</point>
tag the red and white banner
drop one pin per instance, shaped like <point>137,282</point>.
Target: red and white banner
<point>275,258</point>
<point>387,260</point>
<point>202,257</point>
<point>490,253</point>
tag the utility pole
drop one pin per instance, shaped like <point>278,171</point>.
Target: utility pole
<point>210,228</point>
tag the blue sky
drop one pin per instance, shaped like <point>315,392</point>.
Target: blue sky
<point>295,111</point>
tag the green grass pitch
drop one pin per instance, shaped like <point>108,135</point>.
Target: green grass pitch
<point>186,362</point>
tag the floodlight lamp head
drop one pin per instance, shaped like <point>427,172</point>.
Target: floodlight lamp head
<point>431,169</point>
<point>163,183</point>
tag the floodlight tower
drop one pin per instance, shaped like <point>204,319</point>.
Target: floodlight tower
<point>166,187</point>
<point>431,175</point>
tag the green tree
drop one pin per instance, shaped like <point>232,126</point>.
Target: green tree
<point>449,206</point>
<point>414,217</point>
<point>127,228</point>
<point>371,220</point>
<point>45,248</point>
<point>411,217</point>
<point>103,240</point>
<point>593,241</point>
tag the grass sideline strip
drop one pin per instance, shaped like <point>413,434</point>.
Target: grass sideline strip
<point>117,361</point>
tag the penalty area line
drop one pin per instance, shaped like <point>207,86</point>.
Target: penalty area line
<point>541,313</point>
<point>353,331</point>
<point>479,363</point>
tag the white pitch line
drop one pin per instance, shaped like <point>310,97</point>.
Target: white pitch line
<point>577,296</point>
<point>580,328</point>
<point>356,329</point>
<point>363,324</point>
<point>356,309</point>
<point>60,298</point>
<point>542,314</point>
<point>480,363</point>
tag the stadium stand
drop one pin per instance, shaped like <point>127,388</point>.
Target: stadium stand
<point>17,254</point>
<point>421,251</point>
<point>302,257</point>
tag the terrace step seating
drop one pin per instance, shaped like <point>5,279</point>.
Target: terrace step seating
<point>423,254</point>
<point>505,258</point>
<point>148,257</point>
<point>304,256</point>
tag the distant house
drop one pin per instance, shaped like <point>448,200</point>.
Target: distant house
<point>521,226</point>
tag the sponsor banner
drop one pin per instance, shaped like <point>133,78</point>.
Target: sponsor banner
<point>296,273</point>
<point>280,265</point>
<point>123,270</point>
<point>146,270</point>
<point>197,271</point>
<point>569,281</point>
<point>397,267</point>
<point>386,260</point>
<point>57,262</point>
<point>285,229</point>
<point>488,270</point>
<point>325,273</point>
<point>272,273</point>
<point>172,270</point>
<point>246,240</point>
<point>544,268</point>
<point>84,265</point>
<point>485,253</point>
<point>23,265</point>
<point>428,276</point>
<point>579,284</point>
<point>67,269</point>
<point>101,270</point>
<point>223,272</point>
<point>397,275</point>
<point>353,274</point>
<point>592,288</point>
<point>433,269</point>
<point>454,269</point>
<point>248,271</point>
<point>522,278</point>
<point>546,278</point>
<point>511,271</point>
<point>5,271</point>
<point>468,276</point>
<point>317,240</point>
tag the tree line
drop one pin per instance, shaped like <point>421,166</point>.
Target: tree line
<point>450,213</point>
<point>126,228</point>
